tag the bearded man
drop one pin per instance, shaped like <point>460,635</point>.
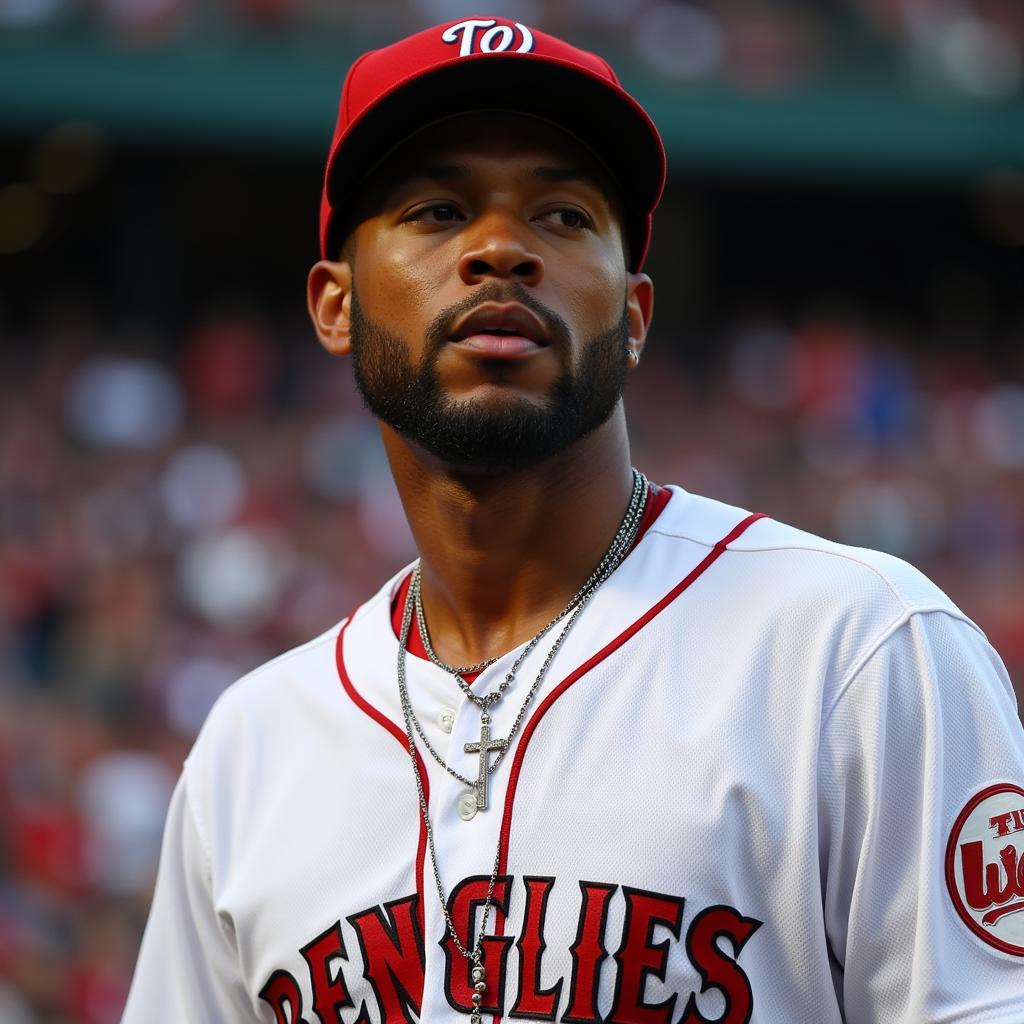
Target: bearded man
<point>607,751</point>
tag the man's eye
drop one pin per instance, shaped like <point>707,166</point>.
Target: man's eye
<point>444,213</point>
<point>570,217</point>
<point>437,213</point>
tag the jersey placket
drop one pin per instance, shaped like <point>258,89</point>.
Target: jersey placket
<point>466,848</point>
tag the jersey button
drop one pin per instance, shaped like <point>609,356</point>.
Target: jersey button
<point>446,719</point>
<point>467,806</point>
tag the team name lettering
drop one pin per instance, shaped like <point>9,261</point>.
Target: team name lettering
<point>496,39</point>
<point>463,902</point>
<point>1005,824</point>
<point>392,949</point>
<point>533,1001</point>
<point>992,887</point>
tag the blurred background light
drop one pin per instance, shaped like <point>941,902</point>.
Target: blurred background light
<point>124,402</point>
<point>979,57</point>
<point>234,578</point>
<point>124,796</point>
<point>999,204</point>
<point>203,488</point>
<point>835,438</point>
<point>24,217</point>
<point>69,157</point>
<point>339,454</point>
<point>115,520</point>
<point>193,687</point>
<point>144,22</point>
<point>999,426</point>
<point>29,13</point>
<point>760,366</point>
<point>679,40</point>
<point>905,517</point>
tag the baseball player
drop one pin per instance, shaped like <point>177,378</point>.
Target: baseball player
<point>608,751</point>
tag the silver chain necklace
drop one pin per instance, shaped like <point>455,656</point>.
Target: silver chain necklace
<point>611,558</point>
<point>460,672</point>
<point>616,552</point>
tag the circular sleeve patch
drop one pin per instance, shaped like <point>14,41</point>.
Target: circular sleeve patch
<point>985,866</point>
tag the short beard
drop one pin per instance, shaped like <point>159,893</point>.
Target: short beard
<point>516,435</point>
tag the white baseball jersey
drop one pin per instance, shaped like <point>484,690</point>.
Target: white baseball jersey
<point>767,779</point>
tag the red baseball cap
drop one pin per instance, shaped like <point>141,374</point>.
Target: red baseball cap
<point>491,64</point>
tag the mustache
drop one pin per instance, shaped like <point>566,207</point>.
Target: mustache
<point>440,329</point>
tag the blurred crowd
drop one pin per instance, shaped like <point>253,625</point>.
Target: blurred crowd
<point>173,515</point>
<point>973,47</point>
<point>174,511</point>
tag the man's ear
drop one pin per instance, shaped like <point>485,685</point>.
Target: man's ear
<point>329,299</point>
<point>639,309</point>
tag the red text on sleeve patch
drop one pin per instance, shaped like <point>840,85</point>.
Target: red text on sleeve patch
<point>985,866</point>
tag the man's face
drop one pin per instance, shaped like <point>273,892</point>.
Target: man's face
<point>488,316</point>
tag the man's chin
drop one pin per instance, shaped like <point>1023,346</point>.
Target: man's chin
<point>467,438</point>
<point>493,405</point>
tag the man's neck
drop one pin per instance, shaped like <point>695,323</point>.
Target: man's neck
<point>503,554</point>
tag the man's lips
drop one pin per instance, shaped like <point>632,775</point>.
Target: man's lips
<point>499,346</point>
<point>501,330</point>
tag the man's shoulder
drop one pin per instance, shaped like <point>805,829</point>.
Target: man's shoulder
<point>812,607</point>
<point>786,562</point>
<point>266,698</point>
<point>282,694</point>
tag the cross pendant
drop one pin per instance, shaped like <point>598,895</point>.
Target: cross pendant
<point>483,748</point>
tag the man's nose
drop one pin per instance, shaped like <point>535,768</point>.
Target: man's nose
<point>498,246</point>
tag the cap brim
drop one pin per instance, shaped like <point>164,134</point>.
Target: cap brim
<point>594,110</point>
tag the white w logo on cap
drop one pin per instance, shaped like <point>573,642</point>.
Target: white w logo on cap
<point>497,38</point>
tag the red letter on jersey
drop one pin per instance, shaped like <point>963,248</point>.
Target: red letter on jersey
<point>392,949</point>
<point>469,895</point>
<point>282,993</point>
<point>588,953</point>
<point>532,1001</point>
<point>716,970</point>
<point>329,994</point>
<point>638,957</point>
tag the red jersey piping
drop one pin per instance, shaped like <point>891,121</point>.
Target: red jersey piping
<point>654,504</point>
<point>531,726</point>
<point>381,719</point>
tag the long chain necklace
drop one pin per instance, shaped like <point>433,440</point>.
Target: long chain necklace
<point>616,552</point>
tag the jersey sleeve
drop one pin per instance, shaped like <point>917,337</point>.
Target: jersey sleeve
<point>926,723</point>
<point>187,968</point>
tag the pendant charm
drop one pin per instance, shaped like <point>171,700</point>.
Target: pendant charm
<point>479,987</point>
<point>483,748</point>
